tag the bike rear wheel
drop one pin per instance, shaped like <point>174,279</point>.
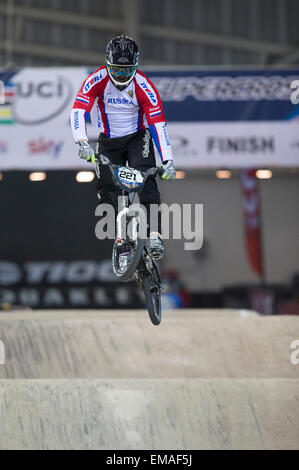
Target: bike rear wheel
<point>152,295</point>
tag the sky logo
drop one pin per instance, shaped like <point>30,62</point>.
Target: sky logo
<point>42,146</point>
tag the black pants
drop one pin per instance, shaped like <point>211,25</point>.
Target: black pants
<point>138,150</point>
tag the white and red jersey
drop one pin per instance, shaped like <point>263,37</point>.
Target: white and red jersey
<point>119,113</point>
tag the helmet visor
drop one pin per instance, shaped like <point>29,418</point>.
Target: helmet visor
<point>121,73</point>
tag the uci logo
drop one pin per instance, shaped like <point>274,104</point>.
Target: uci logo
<point>45,89</point>
<point>40,96</point>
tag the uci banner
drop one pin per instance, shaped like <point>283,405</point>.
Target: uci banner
<point>216,118</point>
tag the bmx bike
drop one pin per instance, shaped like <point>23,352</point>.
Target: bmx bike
<point>131,256</point>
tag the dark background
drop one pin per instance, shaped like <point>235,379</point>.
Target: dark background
<point>52,220</point>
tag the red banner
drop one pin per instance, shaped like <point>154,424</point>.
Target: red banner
<point>252,224</point>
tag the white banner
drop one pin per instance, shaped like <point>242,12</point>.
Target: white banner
<point>35,132</point>
<point>235,144</point>
<point>34,121</point>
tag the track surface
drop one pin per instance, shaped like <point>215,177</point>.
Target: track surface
<point>150,414</point>
<point>110,380</point>
<point>116,345</point>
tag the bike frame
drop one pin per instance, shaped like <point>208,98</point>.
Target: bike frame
<point>124,213</point>
<point>142,267</point>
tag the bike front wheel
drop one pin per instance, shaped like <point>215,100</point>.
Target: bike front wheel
<point>135,250</point>
<point>152,295</point>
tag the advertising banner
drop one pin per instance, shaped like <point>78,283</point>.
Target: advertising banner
<point>34,121</point>
<point>50,256</point>
<point>215,118</point>
<point>65,284</point>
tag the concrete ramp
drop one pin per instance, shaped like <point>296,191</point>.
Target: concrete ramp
<point>188,344</point>
<point>111,380</point>
<point>149,414</point>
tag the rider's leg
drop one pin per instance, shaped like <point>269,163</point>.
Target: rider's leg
<point>113,148</point>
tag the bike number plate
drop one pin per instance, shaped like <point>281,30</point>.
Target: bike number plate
<point>129,177</point>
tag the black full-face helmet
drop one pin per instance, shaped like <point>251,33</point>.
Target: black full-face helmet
<point>122,60</point>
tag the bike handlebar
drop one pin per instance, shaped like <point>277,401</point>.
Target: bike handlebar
<point>153,171</point>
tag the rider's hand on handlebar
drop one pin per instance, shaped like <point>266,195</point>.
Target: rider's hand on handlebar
<point>169,171</point>
<point>86,152</point>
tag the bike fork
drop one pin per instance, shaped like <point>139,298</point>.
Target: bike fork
<point>121,223</point>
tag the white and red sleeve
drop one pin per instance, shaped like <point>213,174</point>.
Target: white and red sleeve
<point>84,102</point>
<point>150,103</point>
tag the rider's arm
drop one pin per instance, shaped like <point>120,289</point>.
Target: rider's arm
<point>78,125</point>
<point>151,104</point>
<point>84,102</point>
